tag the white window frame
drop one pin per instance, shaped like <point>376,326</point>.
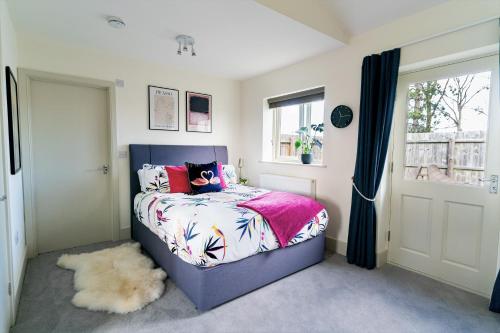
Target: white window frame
<point>305,111</point>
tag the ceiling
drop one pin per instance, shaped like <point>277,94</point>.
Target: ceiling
<point>236,39</point>
<point>358,16</point>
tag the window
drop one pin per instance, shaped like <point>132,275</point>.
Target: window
<point>289,114</point>
<point>447,124</point>
<point>288,120</point>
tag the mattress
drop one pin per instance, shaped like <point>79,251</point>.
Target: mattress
<point>209,229</point>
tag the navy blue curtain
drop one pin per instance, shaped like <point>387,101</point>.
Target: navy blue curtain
<point>495,298</point>
<point>378,91</point>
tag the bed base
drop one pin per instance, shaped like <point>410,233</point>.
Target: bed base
<point>208,287</point>
<point>212,286</point>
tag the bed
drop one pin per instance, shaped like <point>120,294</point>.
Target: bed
<point>214,277</point>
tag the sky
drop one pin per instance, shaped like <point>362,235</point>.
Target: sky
<point>290,117</point>
<point>471,119</point>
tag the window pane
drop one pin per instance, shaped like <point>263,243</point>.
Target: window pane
<point>292,118</point>
<point>317,112</point>
<point>447,123</point>
<point>290,123</point>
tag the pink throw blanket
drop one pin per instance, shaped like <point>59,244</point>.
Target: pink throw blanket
<point>285,212</point>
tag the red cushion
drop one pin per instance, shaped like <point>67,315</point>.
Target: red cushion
<point>178,179</point>
<point>221,176</point>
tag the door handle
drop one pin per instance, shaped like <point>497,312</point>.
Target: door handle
<point>3,198</point>
<point>493,180</point>
<point>105,169</point>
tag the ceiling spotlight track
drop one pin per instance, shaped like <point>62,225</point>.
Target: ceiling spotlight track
<point>185,43</point>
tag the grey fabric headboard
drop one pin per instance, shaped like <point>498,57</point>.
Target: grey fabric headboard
<point>169,155</point>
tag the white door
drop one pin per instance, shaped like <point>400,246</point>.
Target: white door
<point>70,147</point>
<point>445,212</point>
<point>5,298</point>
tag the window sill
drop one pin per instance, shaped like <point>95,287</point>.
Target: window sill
<point>297,163</point>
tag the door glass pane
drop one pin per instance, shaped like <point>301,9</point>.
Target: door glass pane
<point>447,124</point>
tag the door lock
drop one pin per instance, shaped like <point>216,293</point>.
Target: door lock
<point>493,180</point>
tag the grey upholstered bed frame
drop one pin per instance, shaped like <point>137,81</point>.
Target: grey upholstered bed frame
<point>208,287</point>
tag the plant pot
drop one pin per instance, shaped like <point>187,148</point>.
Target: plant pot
<point>306,158</point>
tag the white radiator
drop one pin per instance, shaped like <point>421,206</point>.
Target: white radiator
<point>303,186</point>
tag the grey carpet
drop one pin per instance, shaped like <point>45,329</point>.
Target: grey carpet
<point>330,297</point>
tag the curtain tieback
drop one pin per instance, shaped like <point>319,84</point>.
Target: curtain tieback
<point>361,194</point>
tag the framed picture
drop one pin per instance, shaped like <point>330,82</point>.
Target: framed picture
<point>13,119</point>
<point>198,112</point>
<point>163,108</point>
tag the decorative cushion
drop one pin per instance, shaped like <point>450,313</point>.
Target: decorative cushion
<point>229,174</point>
<point>222,180</point>
<point>178,179</point>
<point>204,177</point>
<point>153,178</point>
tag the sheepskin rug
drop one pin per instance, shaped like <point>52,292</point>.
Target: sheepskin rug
<point>118,279</point>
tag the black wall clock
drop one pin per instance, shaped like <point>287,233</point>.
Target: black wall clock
<point>341,116</point>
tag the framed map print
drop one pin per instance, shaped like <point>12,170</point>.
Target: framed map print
<point>163,108</point>
<point>198,112</point>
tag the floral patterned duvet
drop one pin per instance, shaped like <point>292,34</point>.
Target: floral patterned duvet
<point>208,229</point>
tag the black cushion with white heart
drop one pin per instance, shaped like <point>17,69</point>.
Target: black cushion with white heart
<point>204,178</point>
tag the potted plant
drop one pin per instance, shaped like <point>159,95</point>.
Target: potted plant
<point>307,140</point>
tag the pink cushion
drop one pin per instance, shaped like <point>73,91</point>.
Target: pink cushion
<point>222,181</point>
<point>178,179</point>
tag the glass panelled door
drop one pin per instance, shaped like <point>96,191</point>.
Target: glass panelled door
<point>445,206</point>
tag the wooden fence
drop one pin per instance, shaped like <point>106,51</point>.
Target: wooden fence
<point>287,147</point>
<point>460,155</point>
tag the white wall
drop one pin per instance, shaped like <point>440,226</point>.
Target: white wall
<point>131,101</point>
<point>340,72</point>
<point>5,300</point>
<point>14,190</point>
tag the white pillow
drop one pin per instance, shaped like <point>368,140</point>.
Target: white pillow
<point>153,178</point>
<point>229,174</point>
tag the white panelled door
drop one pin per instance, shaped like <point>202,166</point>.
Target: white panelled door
<point>445,210</point>
<point>70,144</point>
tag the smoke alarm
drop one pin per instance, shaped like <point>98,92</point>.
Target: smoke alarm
<point>116,22</point>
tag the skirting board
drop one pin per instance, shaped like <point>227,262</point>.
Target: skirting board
<point>340,247</point>
<point>125,233</point>
<point>336,246</point>
<point>17,295</point>
<point>382,258</point>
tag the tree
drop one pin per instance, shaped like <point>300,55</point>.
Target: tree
<point>458,95</point>
<point>425,105</point>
